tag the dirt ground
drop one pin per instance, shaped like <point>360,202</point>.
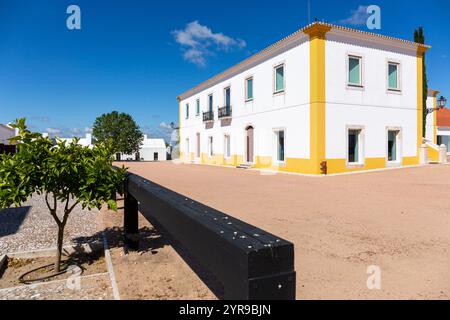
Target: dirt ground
<point>398,220</point>
<point>156,271</point>
<point>93,263</point>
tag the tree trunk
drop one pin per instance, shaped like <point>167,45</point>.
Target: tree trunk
<point>59,249</point>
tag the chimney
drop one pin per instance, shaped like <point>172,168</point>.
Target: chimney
<point>88,139</point>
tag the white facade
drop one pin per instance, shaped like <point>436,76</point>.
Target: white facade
<point>6,133</point>
<point>371,108</point>
<point>85,142</point>
<point>151,150</point>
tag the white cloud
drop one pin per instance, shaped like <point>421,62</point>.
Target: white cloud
<point>88,130</point>
<point>357,17</point>
<point>53,130</point>
<point>164,125</point>
<point>198,42</point>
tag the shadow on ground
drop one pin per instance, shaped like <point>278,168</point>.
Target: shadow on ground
<point>149,239</point>
<point>11,219</point>
<point>206,276</point>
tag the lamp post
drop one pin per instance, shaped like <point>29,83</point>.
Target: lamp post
<point>441,102</point>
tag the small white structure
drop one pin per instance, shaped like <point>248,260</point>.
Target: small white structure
<point>6,133</point>
<point>85,142</point>
<point>151,150</point>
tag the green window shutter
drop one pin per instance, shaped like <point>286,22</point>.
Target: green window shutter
<point>393,76</point>
<point>250,89</point>
<point>279,79</point>
<point>354,71</point>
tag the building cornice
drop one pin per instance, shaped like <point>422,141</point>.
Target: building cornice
<point>316,29</point>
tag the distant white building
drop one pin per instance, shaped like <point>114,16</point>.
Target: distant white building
<point>6,133</point>
<point>85,142</point>
<point>151,150</point>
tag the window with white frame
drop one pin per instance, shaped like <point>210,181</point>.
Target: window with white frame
<point>354,148</point>
<point>227,146</point>
<point>197,108</point>
<point>198,145</point>
<point>210,102</point>
<point>393,146</point>
<point>210,147</point>
<point>354,76</point>
<point>279,80</point>
<point>187,146</point>
<point>249,89</point>
<point>227,96</point>
<point>187,110</point>
<point>393,76</point>
<point>280,145</point>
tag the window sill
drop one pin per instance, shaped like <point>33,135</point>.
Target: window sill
<point>394,91</point>
<point>279,93</point>
<point>358,87</point>
<point>248,100</point>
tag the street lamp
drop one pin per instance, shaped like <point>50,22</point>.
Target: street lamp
<point>440,103</point>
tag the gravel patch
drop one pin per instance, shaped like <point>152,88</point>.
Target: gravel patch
<point>31,226</point>
<point>95,287</point>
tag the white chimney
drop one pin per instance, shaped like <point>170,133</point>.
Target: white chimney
<point>88,139</point>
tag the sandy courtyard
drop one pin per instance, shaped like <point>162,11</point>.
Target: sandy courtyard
<point>398,220</point>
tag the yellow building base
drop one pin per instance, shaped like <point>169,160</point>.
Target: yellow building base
<point>297,165</point>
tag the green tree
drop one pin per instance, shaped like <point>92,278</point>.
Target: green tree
<point>420,38</point>
<point>119,128</point>
<point>66,174</point>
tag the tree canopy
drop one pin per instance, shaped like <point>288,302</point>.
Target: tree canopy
<point>120,129</point>
<point>64,173</point>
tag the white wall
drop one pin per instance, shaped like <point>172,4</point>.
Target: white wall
<point>264,113</point>
<point>372,106</point>
<point>429,124</point>
<point>5,134</point>
<point>147,153</point>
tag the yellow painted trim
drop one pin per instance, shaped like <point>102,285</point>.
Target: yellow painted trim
<point>317,94</point>
<point>433,154</point>
<point>410,161</point>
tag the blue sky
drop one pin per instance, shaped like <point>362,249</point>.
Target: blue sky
<point>137,56</point>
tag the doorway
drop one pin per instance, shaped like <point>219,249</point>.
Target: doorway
<point>155,156</point>
<point>249,144</point>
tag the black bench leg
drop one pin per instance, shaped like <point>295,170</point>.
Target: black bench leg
<point>130,221</point>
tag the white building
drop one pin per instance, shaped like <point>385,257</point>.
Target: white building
<point>324,96</point>
<point>85,142</point>
<point>437,124</point>
<point>6,133</point>
<point>151,150</point>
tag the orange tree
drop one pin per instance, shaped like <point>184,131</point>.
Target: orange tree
<point>66,174</point>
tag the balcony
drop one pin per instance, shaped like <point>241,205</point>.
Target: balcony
<point>208,116</point>
<point>225,112</point>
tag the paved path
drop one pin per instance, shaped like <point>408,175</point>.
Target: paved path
<point>31,226</point>
<point>398,220</point>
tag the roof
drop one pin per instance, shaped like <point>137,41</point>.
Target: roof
<point>7,127</point>
<point>296,36</point>
<point>153,143</point>
<point>432,93</point>
<point>443,117</point>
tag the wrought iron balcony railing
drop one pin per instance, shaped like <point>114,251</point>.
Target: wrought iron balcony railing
<point>225,112</point>
<point>208,116</point>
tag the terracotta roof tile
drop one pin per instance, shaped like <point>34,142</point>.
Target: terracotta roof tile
<point>443,118</point>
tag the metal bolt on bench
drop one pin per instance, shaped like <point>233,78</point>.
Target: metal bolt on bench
<point>249,262</point>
